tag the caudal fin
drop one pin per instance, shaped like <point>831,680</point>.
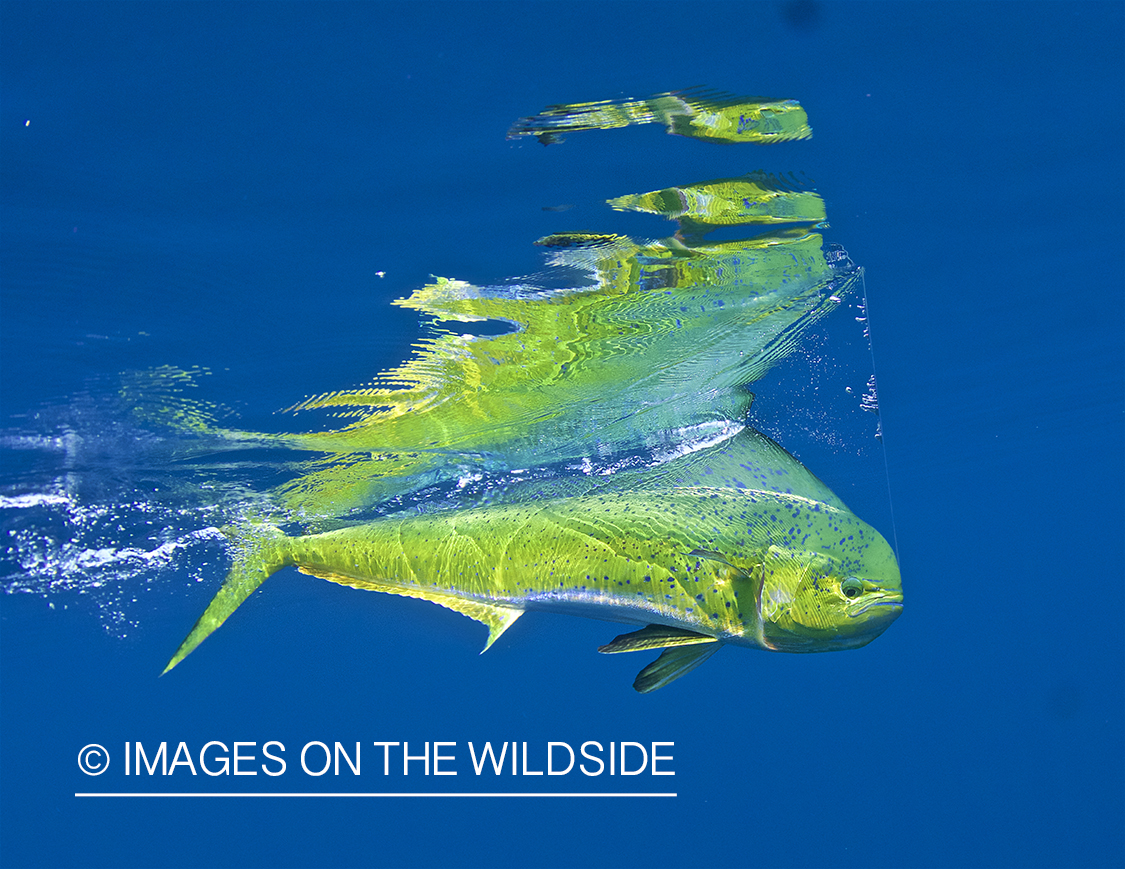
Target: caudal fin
<point>258,554</point>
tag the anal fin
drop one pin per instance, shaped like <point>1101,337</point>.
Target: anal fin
<point>496,618</point>
<point>654,637</point>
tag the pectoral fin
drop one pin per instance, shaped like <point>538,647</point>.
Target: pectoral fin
<point>496,618</point>
<point>654,637</point>
<point>671,665</point>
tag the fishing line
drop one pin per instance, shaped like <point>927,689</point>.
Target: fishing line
<point>882,439</point>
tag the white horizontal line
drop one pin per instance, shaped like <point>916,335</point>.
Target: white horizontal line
<point>519,795</point>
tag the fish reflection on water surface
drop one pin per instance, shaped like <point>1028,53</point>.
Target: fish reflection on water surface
<point>613,473</point>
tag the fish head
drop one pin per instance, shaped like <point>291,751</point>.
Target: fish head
<point>829,598</point>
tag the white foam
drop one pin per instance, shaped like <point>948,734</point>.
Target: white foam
<point>19,502</point>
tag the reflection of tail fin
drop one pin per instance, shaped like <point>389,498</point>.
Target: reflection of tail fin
<point>257,556</point>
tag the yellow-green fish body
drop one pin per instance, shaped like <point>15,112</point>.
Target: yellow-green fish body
<point>718,546</point>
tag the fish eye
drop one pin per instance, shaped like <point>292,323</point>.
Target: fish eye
<point>851,587</point>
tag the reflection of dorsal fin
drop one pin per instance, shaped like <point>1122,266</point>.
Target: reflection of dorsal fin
<point>654,637</point>
<point>748,460</point>
<point>671,665</point>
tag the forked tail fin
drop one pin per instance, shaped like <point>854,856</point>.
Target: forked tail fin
<point>257,554</point>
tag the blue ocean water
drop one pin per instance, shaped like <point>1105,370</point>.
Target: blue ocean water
<point>247,187</point>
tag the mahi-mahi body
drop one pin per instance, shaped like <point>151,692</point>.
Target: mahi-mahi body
<point>737,543</point>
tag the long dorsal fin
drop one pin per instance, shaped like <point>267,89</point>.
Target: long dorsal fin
<point>654,637</point>
<point>747,460</point>
<point>671,665</point>
<point>496,618</point>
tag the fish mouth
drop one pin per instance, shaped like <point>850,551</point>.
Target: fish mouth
<point>863,624</point>
<point>881,611</point>
<point>868,620</point>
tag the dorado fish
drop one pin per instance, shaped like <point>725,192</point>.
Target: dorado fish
<point>732,544</point>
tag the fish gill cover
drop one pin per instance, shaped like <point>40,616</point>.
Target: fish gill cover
<point>595,458</point>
